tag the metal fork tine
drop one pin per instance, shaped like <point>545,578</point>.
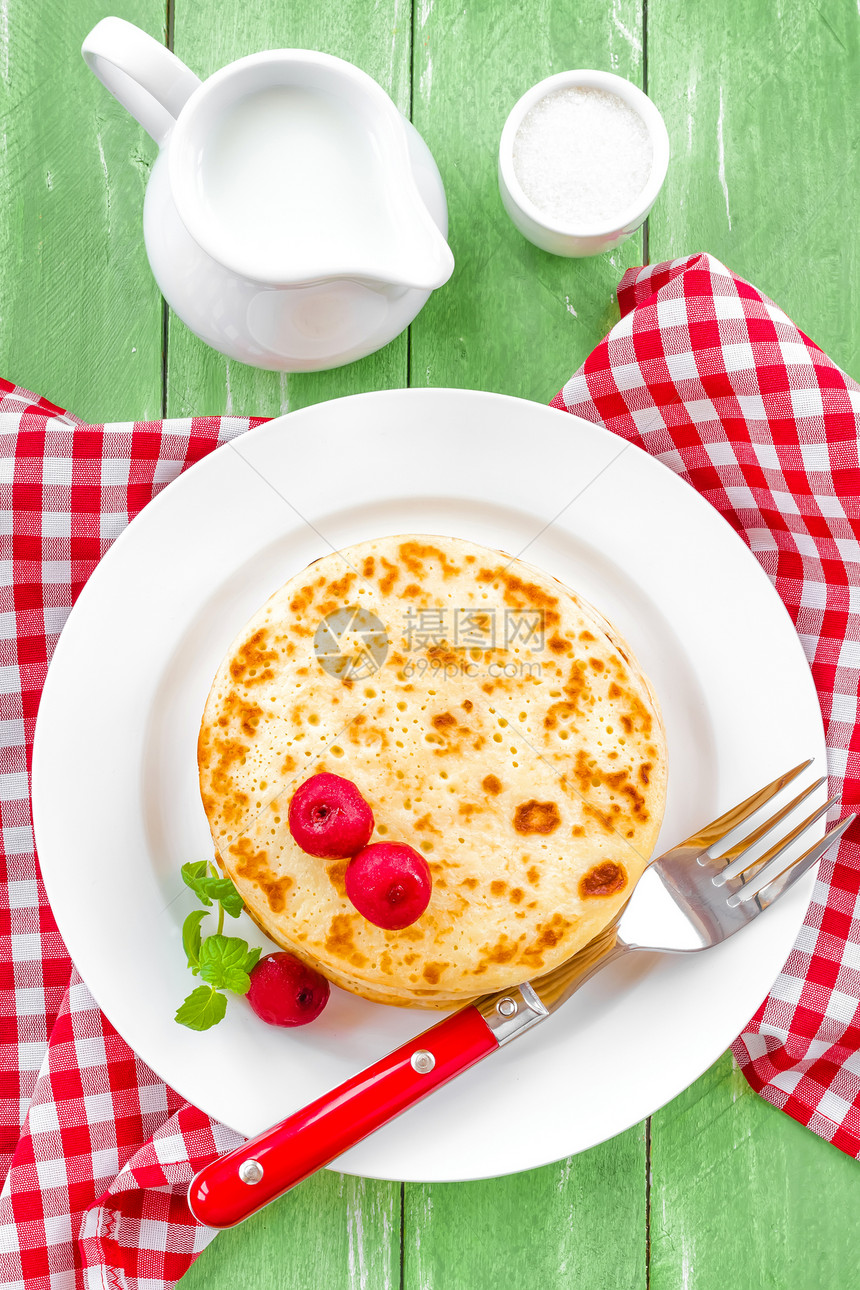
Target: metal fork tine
<point>742,864</point>
<point>728,858</point>
<point>770,890</point>
<point>720,828</point>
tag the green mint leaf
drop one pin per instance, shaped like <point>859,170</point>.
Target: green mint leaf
<point>252,958</point>
<point>203,1008</point>
<point>208,887</point>
<point>222,963</point>
<point>222,890</point>
<point>195,876</point>
<point>191,937</point>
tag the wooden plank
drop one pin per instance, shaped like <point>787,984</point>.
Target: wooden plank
<point>761,103</point>
<point>512,318</point>
<point>80,315</point>
<point>332,1233</point>
<point>744,1196</point>
<point>376,39</point>
<point>517,320</point>
<point>578,1223</point>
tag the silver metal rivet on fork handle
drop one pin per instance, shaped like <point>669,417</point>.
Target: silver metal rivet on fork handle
<point>251,1171</point>
<point>422,1061</point>
<point>513,1013</point>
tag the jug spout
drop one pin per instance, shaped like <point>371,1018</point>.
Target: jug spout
<point>418,263</point>
<point>409,248</point>
<point>396,217</point>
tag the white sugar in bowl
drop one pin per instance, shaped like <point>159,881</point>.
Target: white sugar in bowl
<point>582,158</point>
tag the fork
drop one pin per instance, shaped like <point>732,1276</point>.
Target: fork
<point>714,894</point>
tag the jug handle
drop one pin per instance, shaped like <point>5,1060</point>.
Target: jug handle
<point>148,80</point>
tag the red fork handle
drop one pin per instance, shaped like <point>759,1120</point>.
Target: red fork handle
<point>291,1151</point>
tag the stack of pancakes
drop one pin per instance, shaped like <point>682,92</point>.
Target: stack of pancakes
<point>492,720</point>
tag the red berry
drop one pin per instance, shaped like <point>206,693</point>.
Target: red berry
<point>389,883</point>
<point>329,818</point>
<point>286,992</point>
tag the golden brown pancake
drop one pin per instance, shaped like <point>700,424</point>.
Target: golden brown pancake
<point>492,719</point>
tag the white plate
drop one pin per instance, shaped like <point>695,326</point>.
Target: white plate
<point>117,809</point>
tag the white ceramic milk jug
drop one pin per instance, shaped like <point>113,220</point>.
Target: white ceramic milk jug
<point>294,219</point>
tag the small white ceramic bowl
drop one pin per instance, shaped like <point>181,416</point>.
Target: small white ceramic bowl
<point>569,239</point>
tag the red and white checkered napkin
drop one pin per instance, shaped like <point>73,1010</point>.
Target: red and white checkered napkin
<point>99,1152</point>
<point>703,372</point>
<point>708,375</point>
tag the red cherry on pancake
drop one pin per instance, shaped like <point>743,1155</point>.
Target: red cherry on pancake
<point>286,992</point>
<point>389,883</point>
<point>329,818</point>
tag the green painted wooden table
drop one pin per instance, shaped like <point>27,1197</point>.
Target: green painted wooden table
<point>762,103</point>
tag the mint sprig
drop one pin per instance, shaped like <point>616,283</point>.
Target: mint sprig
<point>223,962</point>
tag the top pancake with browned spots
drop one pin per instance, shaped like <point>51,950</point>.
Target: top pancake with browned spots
<point>492,719</point>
